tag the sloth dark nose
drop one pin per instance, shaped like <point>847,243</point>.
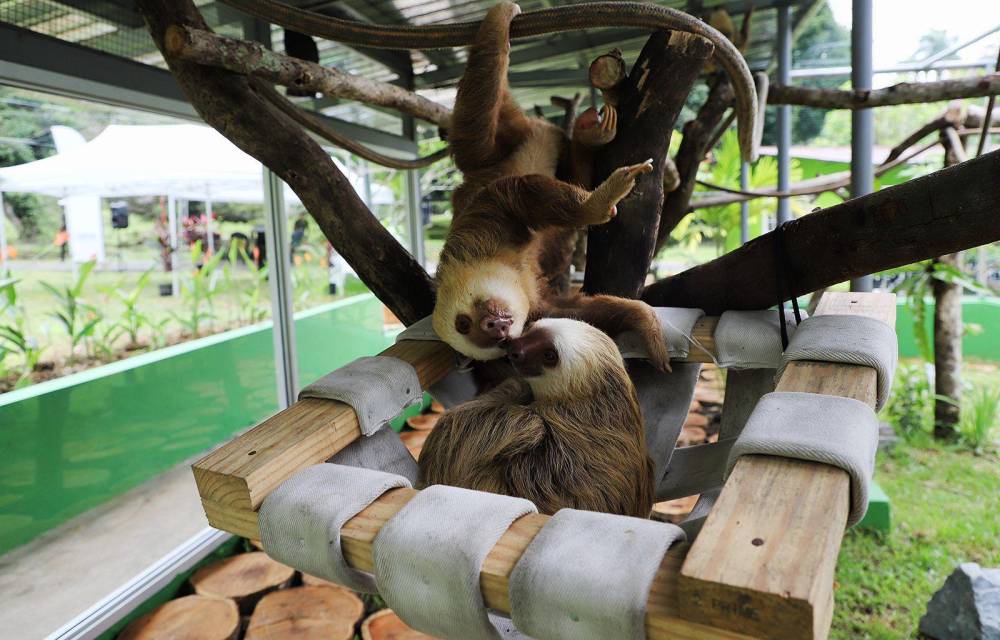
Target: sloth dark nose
<point>515,353</point>
<point>495,327</point>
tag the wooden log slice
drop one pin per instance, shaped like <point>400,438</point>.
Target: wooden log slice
<point>691,436</point>
<point>320,612</point>
<point>245,578</point>
<point>414,441</point>
<point>696,420</point>
<point>191,617</point>
<point>436,407</point>
<point>423,422</point>
<point>386,625</point>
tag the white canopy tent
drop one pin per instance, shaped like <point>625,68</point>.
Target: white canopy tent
<point>186,162</point>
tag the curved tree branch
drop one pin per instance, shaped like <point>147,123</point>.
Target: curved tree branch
<point>239,109</point>
<point>902,93</point>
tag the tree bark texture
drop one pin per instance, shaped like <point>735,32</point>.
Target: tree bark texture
<point>237,107</point>
<point>948,324</point>
<point>619,252</point>
<point>902,93</point>
<point>698,134</point>
<point>947,211</point>
<point>253,59</point>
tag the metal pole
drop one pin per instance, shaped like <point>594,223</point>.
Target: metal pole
<point>862,120</point>
<point>172,223</point>
<point>279,278</point>
<point>3,235</point>
<point>209,236</point>
<point>414,223</point>
<point>784,111</point>
<point>745,205</point>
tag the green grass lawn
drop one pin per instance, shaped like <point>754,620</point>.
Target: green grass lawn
<point>946,510</point>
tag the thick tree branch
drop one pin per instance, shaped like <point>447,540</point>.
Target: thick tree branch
<point>945,212</point>
<point>237,107</point>
<point>902,93</point>
<point>619,252</point>
<point>698,134</point>
<point>253,59</point>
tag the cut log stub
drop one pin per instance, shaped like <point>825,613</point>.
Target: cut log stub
<point>245,578</point>
<point>423,422</point>
<point>386,625</point>
<point>436,407</point>
<point>652,97</point>
<point>673,511</point>
<point>190,617</point>
<point>320,612</point>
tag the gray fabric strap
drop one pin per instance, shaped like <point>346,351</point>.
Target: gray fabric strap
<point>456,387</point>
<point>300,520</point>
<point>422,329</point>
<point>750,339</point>
<point>428,557</point>
<point>694,470</point>
<point>837,431</point>
<point>587,575</point>
<point>382,451</point>
<point>677,325</point>
<point>664,399</point>
<point>694,521</point>
<point>744,389</point>
<point>378,388</point>
<point>848,340</point>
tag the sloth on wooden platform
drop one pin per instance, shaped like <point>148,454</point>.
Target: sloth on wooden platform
<point>514,224</point>
<point>566,433</point>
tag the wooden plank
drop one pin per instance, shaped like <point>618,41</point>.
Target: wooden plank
<point>662,620</point>
<point>234,479</point>
<point>764,561</point>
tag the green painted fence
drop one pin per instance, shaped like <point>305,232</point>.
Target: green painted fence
<point>73,443</point>
<point>984,312</point>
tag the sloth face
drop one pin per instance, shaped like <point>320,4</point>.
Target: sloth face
<point>474,315</point>
<point>562,358</point>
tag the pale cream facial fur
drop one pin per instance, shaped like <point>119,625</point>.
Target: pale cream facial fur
<point>584,351</point>
<point>461,286</point>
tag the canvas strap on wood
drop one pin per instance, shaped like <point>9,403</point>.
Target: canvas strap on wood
<point>556,596</point>
<point>833,430</point>
<point>378,388</point>
<point>382,451</point>
<point>300,520</point>
<point>428,557</point>
<point>847,340</point>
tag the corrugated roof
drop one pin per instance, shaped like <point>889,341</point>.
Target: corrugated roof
<point>541,66</point>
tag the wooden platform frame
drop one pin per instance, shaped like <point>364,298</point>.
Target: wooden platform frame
<point>762,566</point>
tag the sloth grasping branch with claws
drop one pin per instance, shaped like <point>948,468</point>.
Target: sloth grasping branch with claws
<point>514,223</point>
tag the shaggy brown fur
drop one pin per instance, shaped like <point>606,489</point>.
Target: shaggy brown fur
<point>512,216</point>
<point>570,436</point>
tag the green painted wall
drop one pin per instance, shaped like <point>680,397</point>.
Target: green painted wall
<point>73,443</point>
<point>981,311</point>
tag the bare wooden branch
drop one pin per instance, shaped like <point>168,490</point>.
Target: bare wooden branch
<point>619,252</point>
<point>945,212</point>
<point>902,93</point>
<point>819,184</point>
<point>253,59</point>
<point>237,107</point>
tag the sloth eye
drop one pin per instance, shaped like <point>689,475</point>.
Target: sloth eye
<point>550,358</point>
<point>463,324</point>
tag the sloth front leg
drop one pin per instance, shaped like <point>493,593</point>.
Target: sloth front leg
<point>600,204</point>
<point>613,316</point>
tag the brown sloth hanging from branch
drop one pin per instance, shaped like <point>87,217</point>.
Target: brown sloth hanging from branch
<point>514,224</point>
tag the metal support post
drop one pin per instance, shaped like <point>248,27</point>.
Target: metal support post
<point>862,120</point>
<point>279,278</point>
<point>415,222</point>
<point>784,122</point>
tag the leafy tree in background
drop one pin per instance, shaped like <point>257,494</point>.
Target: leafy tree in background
<point>822,42</point>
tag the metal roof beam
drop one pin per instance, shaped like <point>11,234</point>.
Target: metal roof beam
<point>120,12</point>
<point>42,63</point>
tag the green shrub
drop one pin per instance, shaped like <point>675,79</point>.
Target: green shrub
<point>979,418</point>
<point>911,408</point>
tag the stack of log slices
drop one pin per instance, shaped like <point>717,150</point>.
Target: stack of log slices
<point>419,427</point>
<point>250,596</point>
<point>702,425</point>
